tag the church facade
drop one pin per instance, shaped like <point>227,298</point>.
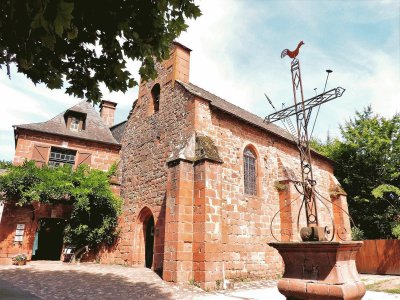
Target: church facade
<point>206,185</point>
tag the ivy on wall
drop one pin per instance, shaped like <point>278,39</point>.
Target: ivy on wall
<point>95,209</point>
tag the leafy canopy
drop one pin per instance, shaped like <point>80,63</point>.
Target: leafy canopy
<point>367,163</point>
<point>88,42</point>
<point>95,209</point>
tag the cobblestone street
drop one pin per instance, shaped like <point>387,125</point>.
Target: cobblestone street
<point>56,280</point>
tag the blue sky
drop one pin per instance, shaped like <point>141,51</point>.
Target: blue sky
<point>236,55</point>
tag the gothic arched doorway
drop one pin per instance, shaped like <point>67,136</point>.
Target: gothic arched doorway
<point>149,241</point>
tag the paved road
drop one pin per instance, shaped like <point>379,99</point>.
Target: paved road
<point>56,280</point>
<point>9,291</point>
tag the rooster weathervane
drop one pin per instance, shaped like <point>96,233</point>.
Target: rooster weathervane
<point>302,109</point>
<point>292,54</point>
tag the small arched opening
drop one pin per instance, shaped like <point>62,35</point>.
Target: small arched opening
<point>149,242</point>
<point>155,93</point>
<point>145,237</point>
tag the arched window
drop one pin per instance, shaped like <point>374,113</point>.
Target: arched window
<point>250,172</point>
<point>155,93</point>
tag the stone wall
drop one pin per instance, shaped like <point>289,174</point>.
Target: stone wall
<point>243,222</point>
<point>29,216</point>
<point>205,226</point>
<point>102,155</point>
<point>150,140</point>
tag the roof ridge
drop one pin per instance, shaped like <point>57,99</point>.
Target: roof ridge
<point>229,103</point>
<point>115,125</point>
<point>220,98</point>
<point>241,113</point>
<point>96,129</point>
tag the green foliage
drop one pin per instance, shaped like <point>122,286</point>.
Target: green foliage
<point>279,186</point>
<point>95,209</point>
<point>18,183</point>
<point>19,257</point>
<point>367,163</point>
<point>194,282</point>
<point>357,234</point>
<point>396,231</point>
<point>5,164</point>
<point>88,42</point>
<point>386,189</point>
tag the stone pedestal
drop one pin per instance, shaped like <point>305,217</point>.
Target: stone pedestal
<point>320,270</point>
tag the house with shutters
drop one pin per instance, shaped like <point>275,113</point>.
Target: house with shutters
<point>79,135</point>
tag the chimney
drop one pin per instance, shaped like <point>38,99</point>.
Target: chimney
<point>107,111</point>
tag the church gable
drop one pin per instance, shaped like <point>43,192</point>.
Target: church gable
<point>211,177</point>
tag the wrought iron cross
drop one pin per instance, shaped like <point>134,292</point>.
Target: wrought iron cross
<point>302,110</point>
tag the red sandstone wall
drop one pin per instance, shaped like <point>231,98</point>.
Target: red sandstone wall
<point>103,156</point>
<point>28,215</point>
<point>149,140</point>
<point>204,222</point>
<point>244,224</point>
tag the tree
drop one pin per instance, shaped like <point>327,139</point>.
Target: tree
<point>95,209</point>
<point>367,163</point>
<point>4,164</point>
<point>84,43</point>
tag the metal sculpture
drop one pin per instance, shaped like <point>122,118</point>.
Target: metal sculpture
<point>302,109</point>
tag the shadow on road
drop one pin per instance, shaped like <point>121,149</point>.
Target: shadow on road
<point>76,284</point>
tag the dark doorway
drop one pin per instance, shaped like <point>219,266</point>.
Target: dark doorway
<point>48,239</point>
<point>149,240</point>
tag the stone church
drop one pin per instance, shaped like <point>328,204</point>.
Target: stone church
<point>206,185</point>
<point>202,180</point>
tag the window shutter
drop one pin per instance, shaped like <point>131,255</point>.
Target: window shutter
<point>40,154</point>
<point>80,125</point>
<point>84,158</point>
<point>69,122</point>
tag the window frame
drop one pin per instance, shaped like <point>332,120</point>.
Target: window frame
<point>75,122</point>
<point>250,172</point>
<point>61,156</point>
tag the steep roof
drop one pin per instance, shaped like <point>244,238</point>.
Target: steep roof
<point>235,110</point>
<point>118,130</point>
<point>95,129</point>
<point>240,113</point>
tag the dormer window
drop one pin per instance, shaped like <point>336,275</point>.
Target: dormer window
<point>74,124</point>
<point>74,120</point>
<point>155,93</point>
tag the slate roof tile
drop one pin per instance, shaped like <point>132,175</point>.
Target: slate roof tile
<point>95,129</point>
<point>118,130</point>
<point>242,114</point>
